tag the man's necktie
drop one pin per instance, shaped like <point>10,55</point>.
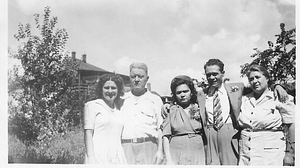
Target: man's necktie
<point>217,112</point>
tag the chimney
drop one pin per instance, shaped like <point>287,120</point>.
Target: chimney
<point>84,58</point>
<point>73,55</point>
<point>149,86</point>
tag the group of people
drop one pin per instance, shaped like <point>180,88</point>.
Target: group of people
<point>222,124</point>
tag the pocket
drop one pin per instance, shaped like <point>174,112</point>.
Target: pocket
<point>270,110</point>
<point>273,152</point>
<point>147,116</point>
<point>271,145</point>
<point>147,113</point>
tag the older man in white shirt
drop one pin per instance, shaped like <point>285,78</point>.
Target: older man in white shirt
<point>141,137</point>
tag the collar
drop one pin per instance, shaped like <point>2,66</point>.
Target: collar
<point>221,90</point>
<point>268,94</point>
<point>146,95</point>
<point>102,103</point>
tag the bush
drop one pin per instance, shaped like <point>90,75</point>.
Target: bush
<point>62,149</point>
<point>46,105</point>
<point>20,153</point>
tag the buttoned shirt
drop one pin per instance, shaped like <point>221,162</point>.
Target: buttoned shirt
<point>141,115</point>
<point>265,112</point>
<point>225,106</point>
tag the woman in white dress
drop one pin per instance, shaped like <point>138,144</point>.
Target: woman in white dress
<point>103,125</point>
<point>262,141</point>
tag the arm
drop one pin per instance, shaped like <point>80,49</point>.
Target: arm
<point>167,150</point>
<point>289,158</point>
<point>88,126</point>
<point>287,111</point>
<point>201,98</point>
<point>165,110</point>
<point>88,140</point>
<point>159,156</point>
<point>280,93</point>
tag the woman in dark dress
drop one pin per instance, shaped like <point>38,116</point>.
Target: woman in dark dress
<point>182,128</point>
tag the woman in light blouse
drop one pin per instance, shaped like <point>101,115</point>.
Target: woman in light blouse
<point>182,128</point>
<point>103,123</point>
<point>262,139</point>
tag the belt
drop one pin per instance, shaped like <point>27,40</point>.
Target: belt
<point>212,126</point>
<point>190,135</point>
<point>139,140</point>
<point>209,126</point>
<point>260,130</point>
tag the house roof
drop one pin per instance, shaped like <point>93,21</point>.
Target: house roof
<point>83,66</point>
<point>90,71</point>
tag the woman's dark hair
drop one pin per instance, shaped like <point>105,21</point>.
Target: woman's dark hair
<point>179,80</point>
<point>110,77</point>
<point>261,69</point>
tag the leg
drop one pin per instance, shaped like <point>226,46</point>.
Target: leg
<point>187,150</point>
<point>150,149</point>
<point>212,147</point>
<point>228,147</point>
<point>129,153</point>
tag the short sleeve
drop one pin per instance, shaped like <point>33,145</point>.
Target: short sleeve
<point>159,113</point>
<point>287,111</point>
<point>89,115</point>
<point>166,126</point>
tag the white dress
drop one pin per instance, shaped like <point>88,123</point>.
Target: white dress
<point>266,144</point>
<point>107,125</point>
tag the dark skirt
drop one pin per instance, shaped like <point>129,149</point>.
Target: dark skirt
<point>187,150</point>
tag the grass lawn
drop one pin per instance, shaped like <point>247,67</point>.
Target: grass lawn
<point>63,149</point>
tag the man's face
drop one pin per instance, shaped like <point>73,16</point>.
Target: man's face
<point>138,79</point>
<point>214,75</point>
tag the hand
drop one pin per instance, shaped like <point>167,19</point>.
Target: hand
<point>281,94</point>
<point>159,157</point>
<point>165,110</point>
<point>288,160</point>
<point>201,96</point>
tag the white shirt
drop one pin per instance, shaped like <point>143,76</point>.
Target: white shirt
<point>225,106</point>
<point>265,112</point>
<point>141,115</point>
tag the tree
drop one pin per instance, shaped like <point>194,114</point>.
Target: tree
<point>47,104</point>
<point>279,59</point>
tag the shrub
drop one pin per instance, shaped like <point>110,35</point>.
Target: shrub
<point>20,153</point>
<point>46,105</point>
<point>62,149</point>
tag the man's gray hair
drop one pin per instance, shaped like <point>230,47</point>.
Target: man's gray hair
<point>139,65</point>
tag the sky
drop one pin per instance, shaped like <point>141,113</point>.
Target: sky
<point>171,37</point>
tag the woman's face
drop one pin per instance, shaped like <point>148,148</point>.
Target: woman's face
<point>258,82</point>
<point>183,94</point>
<point>110,91</point>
